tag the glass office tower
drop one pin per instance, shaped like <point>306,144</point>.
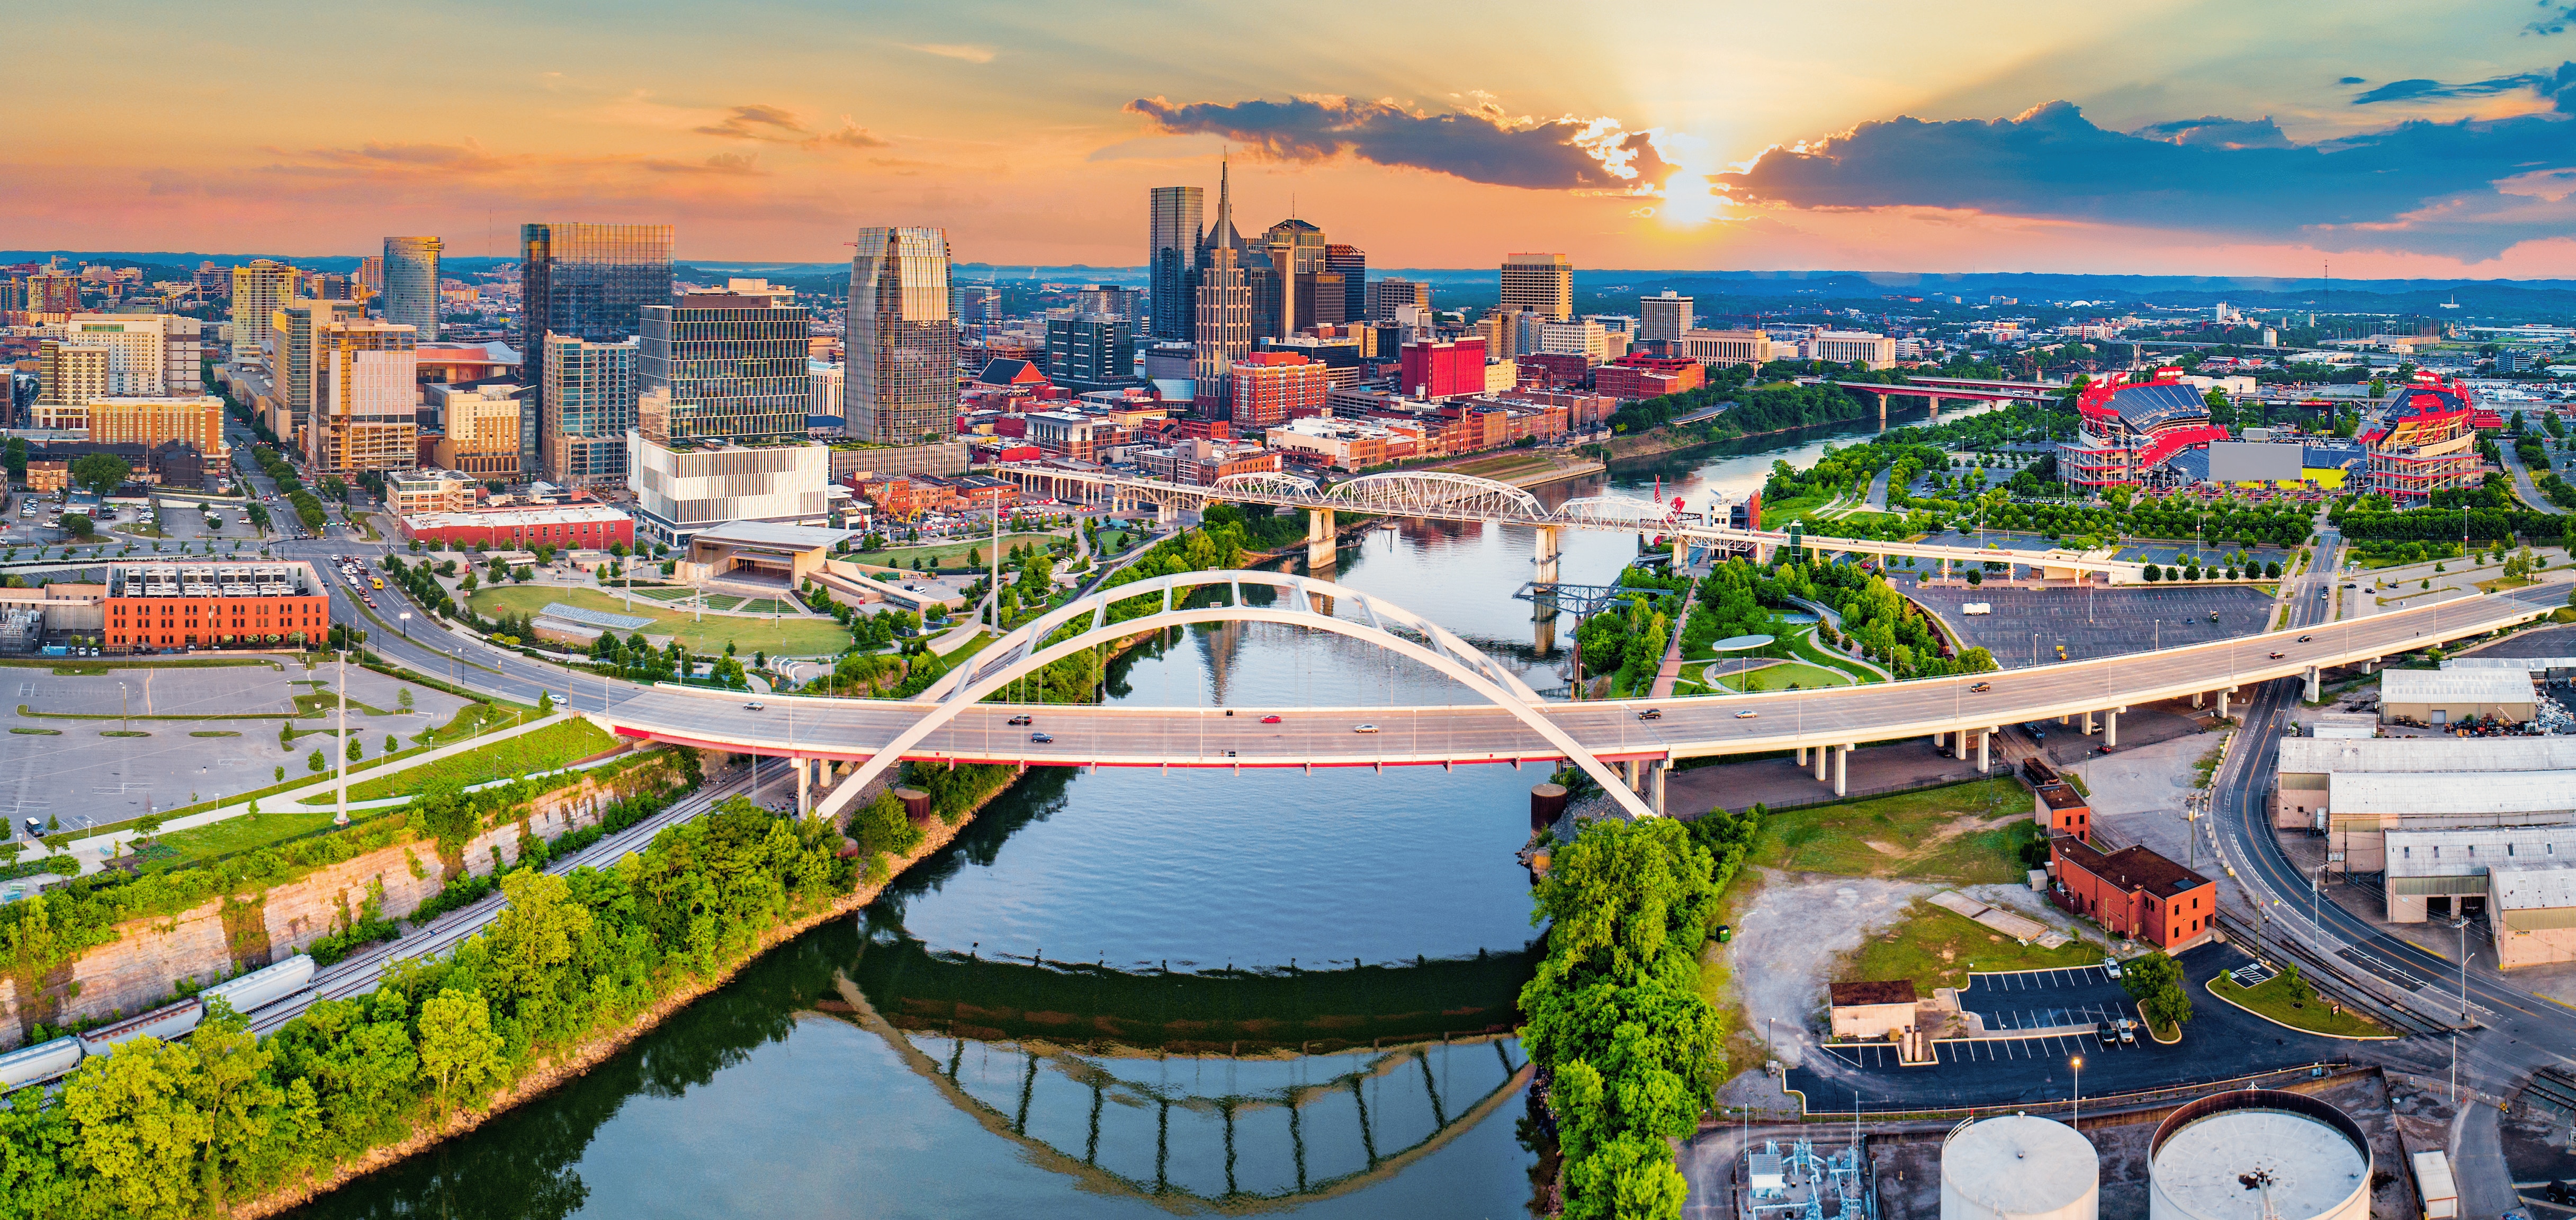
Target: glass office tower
<point>1171,251</point>
<point>900,385</point>
<point>411,284</point>
<point>588,281</point>
<point>721,366</point>
<point>592,388</point>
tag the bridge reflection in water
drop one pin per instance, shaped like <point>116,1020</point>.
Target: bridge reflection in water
<point>1232,1092</point>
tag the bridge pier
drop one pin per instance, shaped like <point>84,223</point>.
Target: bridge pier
<point>1820,763</point>
<point>804,789</point>
<point>1800,753</point>
<point>1842,769</point>
<point>1959,745</point>
<point>2088,724</point>
<point>2196,697</point>
<point>1543,607</point>
<point>2222,702</point>
<point>2111,727</point>
<point>1985,758</point>
<point>1321,543</point>
<point>2315,684</point>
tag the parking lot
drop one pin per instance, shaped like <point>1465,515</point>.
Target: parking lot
<point>2047,999</point>
<point>74,772</point>
<point>2220,1042</point>
<point>2029,624</point>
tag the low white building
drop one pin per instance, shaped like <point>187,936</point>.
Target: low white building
<point>2532,909</point>
<point>680,490</point>
<point>2518,876</point>
<point>2450,696</point>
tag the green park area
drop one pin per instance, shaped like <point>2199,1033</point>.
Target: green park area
<point>181,848</point>
<point>796,637</point>
<point>556,745</point>
<point>1971,832</point>
<point>974,553</point>
<point>2288,999</point>
<point>1938,948</point>
<point>1722,675</point>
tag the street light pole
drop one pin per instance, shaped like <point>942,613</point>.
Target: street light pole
<point>2078,1124</point>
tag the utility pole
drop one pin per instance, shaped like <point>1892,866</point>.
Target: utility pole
<point>342,819</point>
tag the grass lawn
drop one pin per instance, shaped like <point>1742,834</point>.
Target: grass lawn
<point>1937,948</point>
<point>1965,832</point>
<point>1500,465</point>
<point>235,834</point>
<point>662,593</point>
<point>953,554</point>
<point>1782,677</point>
<point>2272,998</point>
<point>1805,645</point>
<point>526,754</point>
<point>1780,514</point>
<point>791,637</point>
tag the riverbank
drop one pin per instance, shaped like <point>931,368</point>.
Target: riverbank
<point>554,1071</point>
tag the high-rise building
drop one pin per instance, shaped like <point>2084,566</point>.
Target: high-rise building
<point>410,274</point>
<point>365,398</point>
<point>480,432</point>
<point>1222,309</point>
<point>259,288</point>
<point>295,346</point>
<point>901,372</point>
<point>1385,296</point>
<point>1351,263</point>
<point>52,295</point>
<point>1175,227</point>
<point>68,377</point>
<point>1443,369</point>
<point>1273,387</point>
<point>593,389</point>
<point>156,420</point>
<point>371,271</point>
<point>1092,352</point>
<point>136,344</point>
<point>1123,303</point>
<point>1284,278</point>
<point>723,366</point>
<point>975,303</point>
<point>587,281</point>
<point>213,281</point>
<point>823,396</point>
<point>327,286</point>
<point>1540,283</point>
<point>1663,318</point>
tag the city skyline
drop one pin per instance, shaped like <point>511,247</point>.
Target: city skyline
<point>2264,144</point>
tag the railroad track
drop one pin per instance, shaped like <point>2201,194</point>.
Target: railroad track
<point>359,973</point>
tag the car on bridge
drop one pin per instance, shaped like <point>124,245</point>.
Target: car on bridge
<point>1981,688</point>
<point>2278,655</point>
<point>1651,713</point>
<point>1363,728</point>
<point>1746,715</point>
<point>1021,720</point>
<point>1270,719</point>
<point>1042,738</point>
<point>754,707</point>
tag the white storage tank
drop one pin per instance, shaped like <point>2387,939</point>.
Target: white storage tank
<point>43,1061</point>
<point>2019,1168</point>
<point>266,986</point>
<point>2258,1154</point>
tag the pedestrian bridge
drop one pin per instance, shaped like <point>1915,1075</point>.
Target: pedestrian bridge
<point>1607,739</point>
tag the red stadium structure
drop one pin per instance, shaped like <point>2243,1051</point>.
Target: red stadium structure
<point>2425,440</point>
<point>2130,425</point>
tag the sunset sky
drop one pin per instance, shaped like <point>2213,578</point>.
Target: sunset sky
<point>2397,139</point>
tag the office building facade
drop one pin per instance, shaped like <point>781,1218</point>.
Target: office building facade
<point>1663,319</point>
<point>588,281</point>
<point>1222,307</point>
<point>480,432</point>
<point>1094,352</point>
<point>1351,263</point>
<point>594,389</point>
<point>682,489</point>
<point>900,376</point>
<point>1177,220</point>
<point>1386,296</point>
<point>410,274</point>
<point>722,366</point>
<point>365,396</point>
<point>259,288</point>
<point>1543,284</point>
<point>68,377</point>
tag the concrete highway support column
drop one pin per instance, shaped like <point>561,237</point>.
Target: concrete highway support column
<point>2088,724</point>
<point>2222,703</point>
<point>1961,753</point>
<point>1985,739</point>
<point>1320,542</point>
<point>2316,685</point>
<point>2196,698</point>
<point>1842,770</point>
<point>1655,770</point>
<point>2111,727</point>
<point>1800,754</point>
<point>804,791</point>
<point>1820,763</point>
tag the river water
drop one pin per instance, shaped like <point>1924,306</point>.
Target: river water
<point>1127,993</point>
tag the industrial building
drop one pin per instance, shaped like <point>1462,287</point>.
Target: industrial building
<point>2016,1167</point>
<point>2364,807</point>
<point>2452,696</point>
<point>2133,892</point>
<point>2448,874</point>
<point>2258,1154</point>
<point>2301,793</point>
<point>1873,1009</point>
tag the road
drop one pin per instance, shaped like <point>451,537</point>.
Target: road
<point>2515,1032</point>
<point>2522,481</point>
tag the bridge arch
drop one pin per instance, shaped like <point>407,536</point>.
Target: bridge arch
<point>1266,482</point>
<point>1026,650</point>
<point>1416,492</point>
<point>1613,510</point>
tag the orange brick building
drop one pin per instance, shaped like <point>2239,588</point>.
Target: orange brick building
<point>2133,892</point>
<point>2062,810</point>
<point>153,606</point>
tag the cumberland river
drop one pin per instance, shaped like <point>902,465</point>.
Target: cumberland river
<point>1126,993</point>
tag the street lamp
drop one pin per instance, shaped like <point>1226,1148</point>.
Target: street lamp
<point>2078,1122</point>
<point>405,616</point>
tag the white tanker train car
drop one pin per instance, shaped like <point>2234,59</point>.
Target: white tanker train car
<point>257,989</point>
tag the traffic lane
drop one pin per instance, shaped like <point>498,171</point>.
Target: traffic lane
<point>2221,1041</point>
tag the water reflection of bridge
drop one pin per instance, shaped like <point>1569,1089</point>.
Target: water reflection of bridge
<point>1233,1134</point>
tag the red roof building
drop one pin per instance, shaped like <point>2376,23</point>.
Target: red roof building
<point>2425,441</point>
<point>2131,423</point>
<point>1637,377</point>
<point>2133,892</point>
<point>1448,369</point>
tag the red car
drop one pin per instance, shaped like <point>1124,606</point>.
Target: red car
<point>1270,720</point>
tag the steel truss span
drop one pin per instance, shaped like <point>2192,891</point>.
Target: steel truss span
<point>1416,493</point>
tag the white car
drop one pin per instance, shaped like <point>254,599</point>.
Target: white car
<point>1363,728</point>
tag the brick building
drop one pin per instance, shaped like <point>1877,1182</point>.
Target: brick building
<point>152,606</point>
<point>1643,377</point>
<point>1443,370</point>
<point>2061,810</point>
<point>587,527</point>
<point>1272,387</point>
<point>2133,892</point>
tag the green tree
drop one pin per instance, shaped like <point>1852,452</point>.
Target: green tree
<point>16,459</point>
<point>101,472</point>
<point>357,749</point>
<point>402,699</point>
<point>2158,985</point>
<point>545,703</point>
<point>314,762</point>
<point>233,1090</point>
<point>391,744</point>
<point>458,1049</point>
<point>79,525</point>
<point>138,1129</point>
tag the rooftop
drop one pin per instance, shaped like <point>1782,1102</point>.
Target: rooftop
<point>2532,887</point>
<point>1874,991</point>
<point>2352,793</point>
<point>2466,685</point>
<point>583,513</point>
<point>2134,868</point>
<point>2312,1167</point>
<point>2316,755</point>
<point>2469,852</point>
<point>772,534</point>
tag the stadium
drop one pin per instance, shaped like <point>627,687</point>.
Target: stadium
<point>2131,427</point>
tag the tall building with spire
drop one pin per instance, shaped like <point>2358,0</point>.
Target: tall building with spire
<point>1223,303</point>
<point>1178,221</point>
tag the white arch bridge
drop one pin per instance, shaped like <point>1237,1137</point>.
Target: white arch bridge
<point>1447,496</point>
<point>1609,739</point>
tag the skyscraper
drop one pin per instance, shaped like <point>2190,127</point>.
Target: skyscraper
<point>593,389</point>
<point>1283,279</point>
<point>588,281</point>
<point>1092,352</point>
<point>295,360</point>
<point>1222,307</point>
<point>1540,283</point>
<point>900,380</point>
<point>723,366</point>
<point>364,395</point>
<point>1663,318</point>
<point>411,284</point>
<point>1351,263</point>
<point>258,289</point>
<point>1177,223</point>
<point>68,378</point>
